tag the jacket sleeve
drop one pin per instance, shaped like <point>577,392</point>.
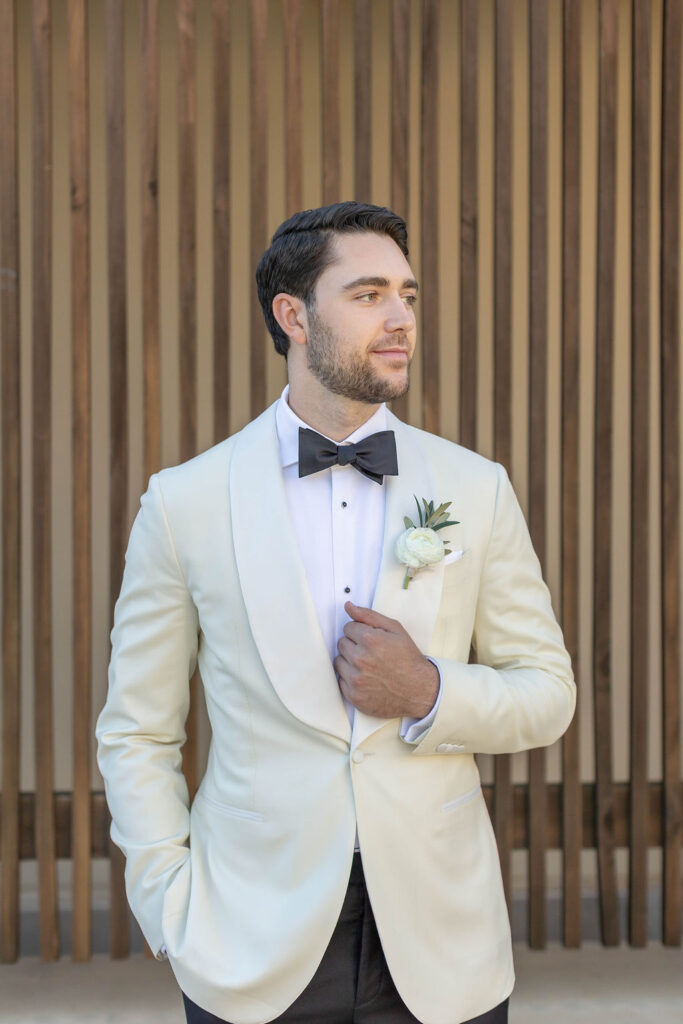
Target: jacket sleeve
<point>521,693</point>
<point>141,729</point>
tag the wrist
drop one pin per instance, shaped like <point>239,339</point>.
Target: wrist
<point>428,690</point>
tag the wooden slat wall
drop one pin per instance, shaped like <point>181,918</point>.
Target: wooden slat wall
<point>538,370</point>
<point>502,348</point>
<point>640,465</point>
<point>118,385</point>
<point>187,290</point>
<point>42,476</point>
<point>11,486</point>
<point>602,545</point>
<point>670,276</point>
<point>81,477</point>
<point>416,142</point>
<point>569,540</point>
<point>469,221</point>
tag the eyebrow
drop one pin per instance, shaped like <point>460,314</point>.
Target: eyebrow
<point>378,282</point>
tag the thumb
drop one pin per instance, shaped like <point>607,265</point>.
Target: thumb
<point>371,617</point>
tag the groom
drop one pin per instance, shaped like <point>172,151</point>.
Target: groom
<point>337,864</point>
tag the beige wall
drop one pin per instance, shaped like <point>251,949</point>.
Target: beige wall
<point>242,281</point>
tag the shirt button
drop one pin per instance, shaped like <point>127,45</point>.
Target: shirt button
<point>347,590</point>
<point>357,756</point>
<point>344,504</point>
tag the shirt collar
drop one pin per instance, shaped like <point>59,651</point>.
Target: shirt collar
<point>287,424</point>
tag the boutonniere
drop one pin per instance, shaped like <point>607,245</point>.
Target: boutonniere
<point>421,545</point>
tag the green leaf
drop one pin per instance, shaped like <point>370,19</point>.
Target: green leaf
<point>431,508</point>
<point>408,523</point>
<point>419,510</point>
<point>424,502</point>
<point>447,551</point>
<point>449,522</point>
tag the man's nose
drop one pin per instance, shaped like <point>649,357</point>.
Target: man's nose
<point>400,316</point>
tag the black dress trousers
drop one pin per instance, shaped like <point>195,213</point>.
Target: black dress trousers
<point>352,984</point>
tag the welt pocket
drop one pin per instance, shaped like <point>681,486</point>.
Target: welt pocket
<point>230,809</point>
<point>464,798</point>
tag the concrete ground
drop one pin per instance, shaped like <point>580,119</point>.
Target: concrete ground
<point>555,986</point>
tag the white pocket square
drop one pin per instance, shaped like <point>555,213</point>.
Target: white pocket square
<point>453,557</point>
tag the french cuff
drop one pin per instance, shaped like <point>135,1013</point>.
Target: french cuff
<point>413,730</point>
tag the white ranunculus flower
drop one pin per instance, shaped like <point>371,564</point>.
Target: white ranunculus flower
<point>418,546</point>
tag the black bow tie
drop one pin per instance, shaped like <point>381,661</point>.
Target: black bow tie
<point>374,455</point>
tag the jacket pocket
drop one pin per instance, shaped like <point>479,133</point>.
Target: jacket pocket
<point>464,798</point>
<point>230,809</point>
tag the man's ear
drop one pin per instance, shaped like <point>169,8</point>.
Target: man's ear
<point>290,313</point>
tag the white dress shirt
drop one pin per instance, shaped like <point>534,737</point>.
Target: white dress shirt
<point>338,519</point>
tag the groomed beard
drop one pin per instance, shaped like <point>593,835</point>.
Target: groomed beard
<point>354,377</point>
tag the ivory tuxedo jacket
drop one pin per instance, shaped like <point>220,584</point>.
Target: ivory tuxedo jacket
<point>244,886</point>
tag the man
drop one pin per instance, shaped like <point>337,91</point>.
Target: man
<point>338,863</point>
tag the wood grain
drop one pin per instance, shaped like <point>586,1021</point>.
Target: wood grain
<point>502,349</point>
<point>329,56</point>
<point>222,257</point>
<point>571,269</point>
<point>79,99</point>
<point>362,88</point>
<point>469,220</point>
<point>258,187</point>
<point>670,470</point>
<point>293,106</point>
<point>42,476</point>
<point>640,465</point>
<point>538,426</point>
<point>149,182</point>
<point>400,152</point>
<point>602,543</point>
<point>10,335</point>
<point>118,386</point>
<point>429,216</point>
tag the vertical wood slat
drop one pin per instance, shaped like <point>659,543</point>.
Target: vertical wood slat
<point>187,287</point>
<point>538,367</point>
<point>400,76</point>
<point>118,387</point>
<point>258,189</point>
<point>11,485</point>
<point>362,88</point>
<point>293,109</point>
<point>469,220</point>
<point>149,121</point>
<point>571,174</point>
<point>640,458</point>
<point>42,477</point>
<point>670,264</point>
<point>221,220</point>
<point>81,483</point>
<point>429,215</point>
<point>329,56</point>
<point>602,545</point>
<point>502,351</point>
<point>400,155</point>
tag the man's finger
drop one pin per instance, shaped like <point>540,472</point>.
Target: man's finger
<point>371,618</point>
<point>357,631</point>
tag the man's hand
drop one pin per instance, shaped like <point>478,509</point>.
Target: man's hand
<point>380,670</point>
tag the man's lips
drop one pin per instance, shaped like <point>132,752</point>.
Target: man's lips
<point>390,352</point>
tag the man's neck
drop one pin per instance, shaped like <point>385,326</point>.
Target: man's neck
<point>332,415</point>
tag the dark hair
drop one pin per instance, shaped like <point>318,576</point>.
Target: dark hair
<point>301,249</point>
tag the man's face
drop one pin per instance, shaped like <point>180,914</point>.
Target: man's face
<point>361,331</point>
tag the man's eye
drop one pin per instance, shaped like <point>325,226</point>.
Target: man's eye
<point>412,299</point>
<point>367,295</point>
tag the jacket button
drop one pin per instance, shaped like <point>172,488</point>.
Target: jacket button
<point>443,748</point>
<point>357,756</point>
